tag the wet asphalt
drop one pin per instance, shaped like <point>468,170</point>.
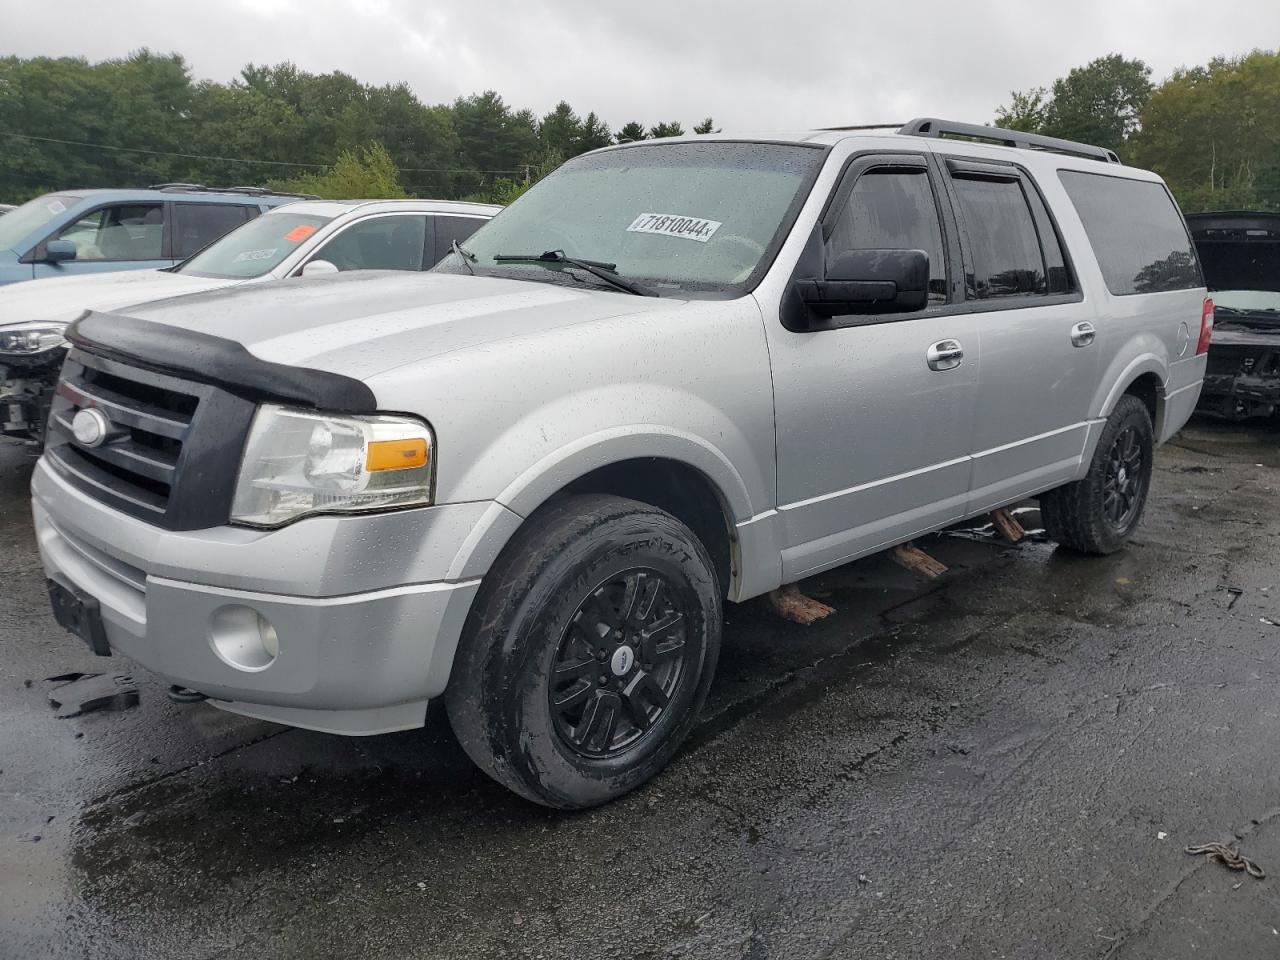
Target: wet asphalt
<point>1005,762</point>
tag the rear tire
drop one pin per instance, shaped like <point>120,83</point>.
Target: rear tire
<point>588,653</point>
<point>1098,513</point>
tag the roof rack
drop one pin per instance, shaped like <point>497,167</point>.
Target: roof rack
<point>248,191</point>
<point>933,127</point>
<point>863,126</point>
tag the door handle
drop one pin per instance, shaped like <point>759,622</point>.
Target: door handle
<point>1082,334</point>
<point>944,355</point>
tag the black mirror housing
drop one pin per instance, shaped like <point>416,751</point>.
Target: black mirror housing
<point>870,281</point>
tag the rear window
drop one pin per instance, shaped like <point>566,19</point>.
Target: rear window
<point>1136,232</point>
<point>196,225</point>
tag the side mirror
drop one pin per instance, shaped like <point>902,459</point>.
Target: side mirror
<point>59,251</point>
<point>870,281</point>
<point>319,268</point>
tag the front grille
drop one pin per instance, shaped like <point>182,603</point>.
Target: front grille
<point>173,449</point>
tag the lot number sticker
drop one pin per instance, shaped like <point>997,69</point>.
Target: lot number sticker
<point>248,256</point>
<point>674,225</point>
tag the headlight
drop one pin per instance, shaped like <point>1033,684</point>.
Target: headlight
<point>26,339</point>
<point>297,463</point>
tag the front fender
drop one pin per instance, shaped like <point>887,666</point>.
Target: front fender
<point>554,472</point>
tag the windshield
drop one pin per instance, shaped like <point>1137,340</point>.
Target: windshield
<point>31,216</point>
<point>254,249</point>
<point>679,217</point>
<point>1246,301</point>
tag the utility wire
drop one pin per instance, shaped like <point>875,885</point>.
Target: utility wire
<point>200,156</point>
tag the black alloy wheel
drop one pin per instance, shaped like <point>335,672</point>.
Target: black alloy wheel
<point>618,664</point>
<point>1123,481</point>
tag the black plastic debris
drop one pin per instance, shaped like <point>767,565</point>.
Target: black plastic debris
<point>93,691</point>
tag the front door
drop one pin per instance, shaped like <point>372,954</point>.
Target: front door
<point>127,236</point>
<point>874,413</point>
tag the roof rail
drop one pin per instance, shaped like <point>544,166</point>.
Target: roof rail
<point>266,192</point>
<point>863,126</point>
<point>933,127</point>
<point>177,187</point>
<point>247,191</point>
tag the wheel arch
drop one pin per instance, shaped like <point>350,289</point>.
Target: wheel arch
<point>678,473</point>
<point>1144,375</point>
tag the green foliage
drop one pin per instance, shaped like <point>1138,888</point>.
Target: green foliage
<point>593,135</point>
<point>560,130</point>
<point>502,190</point>
<point>363,173</point>
<point>1098,103</point>
<point>666,130</point>
<point>1213,133</point>
<point>633,131</point>
<point>143,119</point>
<point>1101,102</point>
<point>706,126</point>
<point>1027,111</point>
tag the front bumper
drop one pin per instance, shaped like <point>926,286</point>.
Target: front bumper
<point>367,609</point>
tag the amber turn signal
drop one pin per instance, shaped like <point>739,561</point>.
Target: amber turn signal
<point>396,454</point>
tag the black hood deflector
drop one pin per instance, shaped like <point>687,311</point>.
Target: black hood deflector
<point>214,360</point>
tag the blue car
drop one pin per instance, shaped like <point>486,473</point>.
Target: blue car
<point>76,232</point>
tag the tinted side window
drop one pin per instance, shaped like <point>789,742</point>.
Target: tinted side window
<point>1136,232</point>
<point>893,209</point>
<point>449,229</point>
<point>379,243</point>
<point>196,225</point>
<point>1004,248</point>
<point>132,231</point>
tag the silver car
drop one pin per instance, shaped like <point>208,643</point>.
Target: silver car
<point>306,238</point>
<point>672,374</point>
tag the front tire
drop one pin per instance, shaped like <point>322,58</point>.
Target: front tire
<point>1098,513</point>
<point>588,653</point>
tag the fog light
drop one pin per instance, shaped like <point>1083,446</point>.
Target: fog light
<point>243,638</point>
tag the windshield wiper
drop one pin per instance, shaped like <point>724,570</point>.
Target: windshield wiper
<point>608,272</point>
<point>465,255</point>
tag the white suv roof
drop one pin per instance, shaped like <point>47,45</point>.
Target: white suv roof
<point>337,208</point>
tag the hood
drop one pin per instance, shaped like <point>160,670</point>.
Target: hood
<point>363,323</point>
<point>1238,250</point>
<point>62,299</point>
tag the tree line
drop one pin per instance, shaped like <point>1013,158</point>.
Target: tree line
<point>1212,131</point>
<point>143,119</point>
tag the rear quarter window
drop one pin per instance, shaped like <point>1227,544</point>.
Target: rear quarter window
<point>1136,231</point>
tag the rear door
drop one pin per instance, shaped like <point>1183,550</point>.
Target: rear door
<point>874,434</point>
<point>1040,363</point>
<point>196,225</point>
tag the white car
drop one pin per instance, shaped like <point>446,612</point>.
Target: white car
<point>299,239</point>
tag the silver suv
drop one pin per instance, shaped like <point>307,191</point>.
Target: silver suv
<point>673,373</point>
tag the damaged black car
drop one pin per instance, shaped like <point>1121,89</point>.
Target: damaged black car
<point>1240,255</point>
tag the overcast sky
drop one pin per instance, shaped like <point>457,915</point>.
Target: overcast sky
<point>750,64</point>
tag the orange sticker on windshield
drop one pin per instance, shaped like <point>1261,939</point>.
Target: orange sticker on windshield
<point>298,234</point>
